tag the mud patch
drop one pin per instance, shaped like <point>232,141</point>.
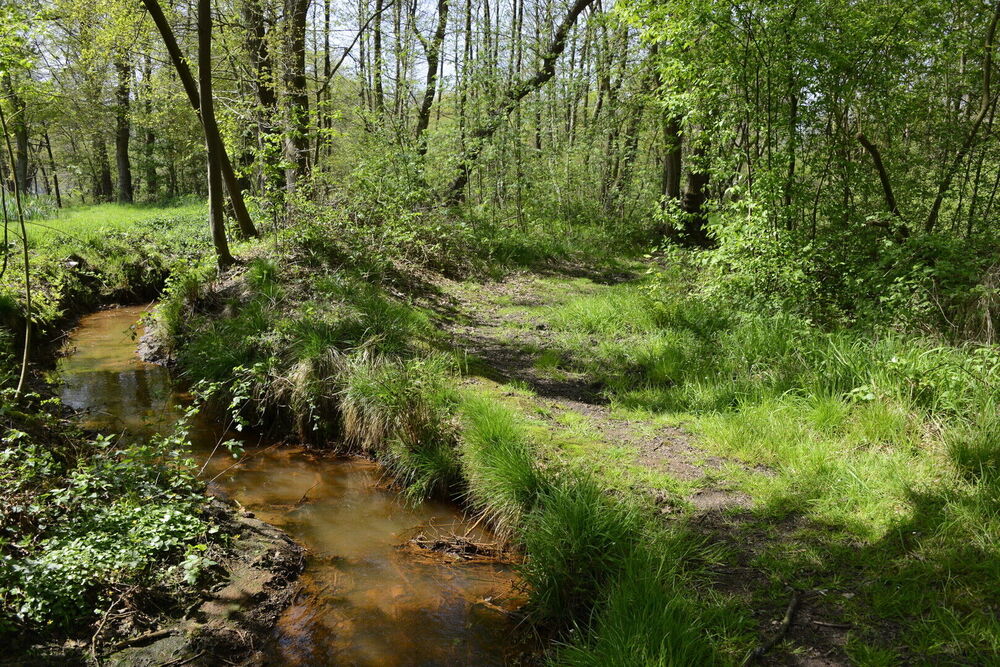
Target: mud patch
<point>228,627</point>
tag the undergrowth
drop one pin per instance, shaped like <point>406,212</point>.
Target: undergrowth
<point>87,520</point>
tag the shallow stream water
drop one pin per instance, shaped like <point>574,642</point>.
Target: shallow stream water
<point>364,600</point>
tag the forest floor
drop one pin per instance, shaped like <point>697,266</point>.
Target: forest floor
<point>513,352</point>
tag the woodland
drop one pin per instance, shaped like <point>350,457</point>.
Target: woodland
<point>689,304</point>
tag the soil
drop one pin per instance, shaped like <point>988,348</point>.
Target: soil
<point>236,616</point>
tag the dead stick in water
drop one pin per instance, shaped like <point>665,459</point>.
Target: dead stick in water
<point>786,623</point>
<point>305,496</point>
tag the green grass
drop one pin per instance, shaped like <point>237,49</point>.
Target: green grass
<point>83,224</point>
<point>108,253</point>
<point>879,452</point>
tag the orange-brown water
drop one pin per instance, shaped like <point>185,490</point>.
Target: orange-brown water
<point>364,601</point>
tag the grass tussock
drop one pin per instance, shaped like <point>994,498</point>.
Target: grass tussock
<point>499,464</point>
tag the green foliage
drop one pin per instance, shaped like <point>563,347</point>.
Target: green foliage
<point>643,620</point>
<point>498,462</point>
<point>399,410</point>
<point>81,518</point>
<point>576,541</point>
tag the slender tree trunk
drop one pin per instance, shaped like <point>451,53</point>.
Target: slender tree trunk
<point>297,96</point>
<point>377,64</point>
<point>671,186</point>
<point>123,131</point>
<point>52,168</point>
<point>207,114</point>
<point>216,212</point>
<point>433,48</point>
<point>149,136</point>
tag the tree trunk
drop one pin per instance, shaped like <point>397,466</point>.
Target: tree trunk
<point>216,213</point>
<point>207,115</point>
<point>692,205</point>
<point>149,137</point>
<point>104,189</point>
<point>19,121</point>
<point>297,97</point>
<point>123,131</point>
<point>433,48</point>
<point>671,185</point>
<point>377,64</point>
<point>52,168</point>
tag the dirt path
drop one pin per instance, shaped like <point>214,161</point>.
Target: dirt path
<point>501,327</point>
<point>498,325</point>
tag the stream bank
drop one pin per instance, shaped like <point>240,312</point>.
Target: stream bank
<point>362,599</point>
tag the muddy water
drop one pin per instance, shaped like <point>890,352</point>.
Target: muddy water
<point>365,601</point>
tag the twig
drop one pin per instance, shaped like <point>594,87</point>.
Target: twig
<point>305,496</point>
<point>841,626</point>
<point>786,623</point>
<point>147,636</point>
<point>179,662</point>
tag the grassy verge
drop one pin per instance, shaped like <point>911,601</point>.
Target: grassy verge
<point>98,254</point>
<point>872,461</point>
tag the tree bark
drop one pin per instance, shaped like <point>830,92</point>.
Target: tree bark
<point>693,203</point>
<point>433,48</point>
<point>123,131</point>
<point>216,212</point>
<point>149,139</point>
<point>52,168</point>
<point>297,97</point>
<point>104,189</point>
<point>208,122</point>
<point>19,121</point>
<point>377,64</point>
<point>883,175</point>
<point>671,185</point>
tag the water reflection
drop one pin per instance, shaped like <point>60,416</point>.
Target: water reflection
<point>364,602</point>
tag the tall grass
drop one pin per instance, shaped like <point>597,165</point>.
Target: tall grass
<point>499,465</point>
<point>643,619</point>
<point>860,437</point>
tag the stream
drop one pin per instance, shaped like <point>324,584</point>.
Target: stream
<point>364,600</point>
